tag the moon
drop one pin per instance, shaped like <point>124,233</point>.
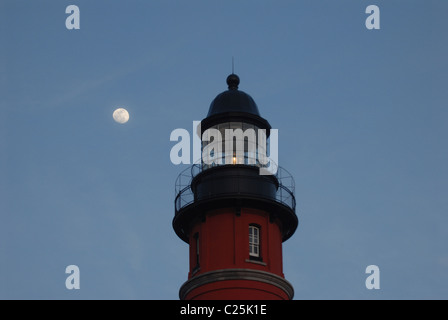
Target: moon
<point>121,115</point>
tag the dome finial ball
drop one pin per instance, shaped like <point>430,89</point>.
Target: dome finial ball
<point>233,81</point>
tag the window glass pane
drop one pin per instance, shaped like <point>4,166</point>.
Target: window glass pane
<point>247,126</point>
<point>197,245</point>
<point>223,126</point>
<point>236,125</point>
<point>222,129</point>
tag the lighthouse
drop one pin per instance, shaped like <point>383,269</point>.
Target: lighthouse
<point>235,208</point>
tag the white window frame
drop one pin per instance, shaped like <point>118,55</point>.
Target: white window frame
<point>254,241</point>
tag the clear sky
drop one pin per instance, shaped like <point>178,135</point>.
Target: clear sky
<point>362,118</point>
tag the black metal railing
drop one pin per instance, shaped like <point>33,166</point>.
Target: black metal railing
<point>184,195</point>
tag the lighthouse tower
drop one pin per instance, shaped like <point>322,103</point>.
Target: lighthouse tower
<point>232,211</point>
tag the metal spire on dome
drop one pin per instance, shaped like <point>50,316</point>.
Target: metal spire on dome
<point>233,80</point>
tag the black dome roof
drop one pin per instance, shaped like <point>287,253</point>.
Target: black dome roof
<point>233,100</point>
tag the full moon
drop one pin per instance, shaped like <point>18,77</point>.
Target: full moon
<point>121,115</point>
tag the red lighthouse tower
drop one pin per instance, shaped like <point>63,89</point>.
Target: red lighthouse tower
<point>234,218</point>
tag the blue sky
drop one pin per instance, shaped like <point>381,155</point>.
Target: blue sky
<point>362,119</point>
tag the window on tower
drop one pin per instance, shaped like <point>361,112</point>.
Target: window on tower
<point>196,249</point>
<point>254,242</point>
